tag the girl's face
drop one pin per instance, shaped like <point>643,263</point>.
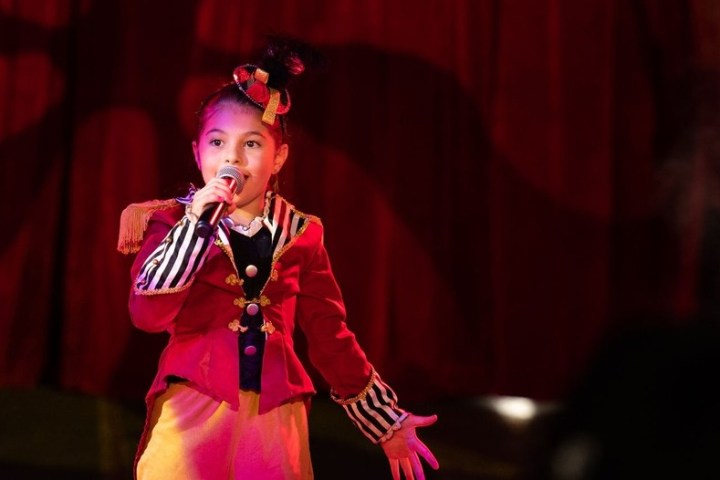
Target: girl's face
<point>235,134</point>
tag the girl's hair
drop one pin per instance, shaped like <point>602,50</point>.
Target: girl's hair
<point>283,59</point>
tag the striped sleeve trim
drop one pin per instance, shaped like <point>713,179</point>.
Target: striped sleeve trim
<point>173,264</point>
<point>374,411</point>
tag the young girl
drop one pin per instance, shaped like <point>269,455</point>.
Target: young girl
<point>230,396</point>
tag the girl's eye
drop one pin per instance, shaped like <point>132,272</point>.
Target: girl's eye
<point>252,143</point>
<point>215,142</point>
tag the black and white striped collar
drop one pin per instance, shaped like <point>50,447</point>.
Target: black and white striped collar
<point>283,220</point>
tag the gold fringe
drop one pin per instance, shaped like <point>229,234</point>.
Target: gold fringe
<point>134,221</point>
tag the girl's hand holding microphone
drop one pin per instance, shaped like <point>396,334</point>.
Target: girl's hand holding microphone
<point>215,191</point>
<point>215,200</point>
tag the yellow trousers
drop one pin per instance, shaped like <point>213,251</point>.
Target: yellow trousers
<point>193,437</point>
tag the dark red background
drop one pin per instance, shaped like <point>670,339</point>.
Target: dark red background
<point>502,182</point>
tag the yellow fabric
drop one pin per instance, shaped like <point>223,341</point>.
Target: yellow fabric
<point>194,437</point>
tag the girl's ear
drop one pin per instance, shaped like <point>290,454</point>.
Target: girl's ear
<point>195,154</point>
<point>280,157</point>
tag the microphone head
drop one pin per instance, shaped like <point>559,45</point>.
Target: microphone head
<point>232,172</point>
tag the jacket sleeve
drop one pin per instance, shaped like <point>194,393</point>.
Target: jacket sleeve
<point>369,402</point>
<point>163,270</point>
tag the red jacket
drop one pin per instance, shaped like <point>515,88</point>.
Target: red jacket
<point>199,310</point>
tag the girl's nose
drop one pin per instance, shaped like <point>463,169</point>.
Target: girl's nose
<point>236,157</point>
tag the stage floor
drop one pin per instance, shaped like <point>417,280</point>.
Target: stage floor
<point>51,435</point>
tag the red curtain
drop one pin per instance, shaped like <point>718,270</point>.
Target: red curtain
<point>501,182</point>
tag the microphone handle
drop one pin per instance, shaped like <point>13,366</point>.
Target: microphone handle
<point>209,219</point>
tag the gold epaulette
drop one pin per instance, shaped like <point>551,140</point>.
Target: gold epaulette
<point>134,220</point>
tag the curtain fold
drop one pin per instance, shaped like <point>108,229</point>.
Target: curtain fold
<point>501,183</point>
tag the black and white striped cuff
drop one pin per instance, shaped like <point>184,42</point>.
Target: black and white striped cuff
<point>374,410</point>
<point>172,266</point>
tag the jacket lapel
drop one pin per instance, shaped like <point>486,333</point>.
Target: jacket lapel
<point>285,224</point>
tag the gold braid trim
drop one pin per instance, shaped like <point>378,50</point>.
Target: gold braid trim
<point>359,397</point>
<point>134,221</point>
<point>148,293</point>
<point>242,301</point>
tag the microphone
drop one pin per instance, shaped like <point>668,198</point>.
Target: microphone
<point>207,223</point>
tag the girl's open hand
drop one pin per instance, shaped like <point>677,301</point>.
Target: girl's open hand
<point>404,449</point>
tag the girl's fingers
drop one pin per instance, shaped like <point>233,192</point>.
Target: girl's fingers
<point>417,467</point>
<point>417,421</point>
<point>407,468</point>
<point>394,468</point>
<point>213,192</point>
<point>427,454</point>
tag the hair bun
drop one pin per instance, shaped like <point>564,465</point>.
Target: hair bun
<point>285,57</point>
<point>295,65</point>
